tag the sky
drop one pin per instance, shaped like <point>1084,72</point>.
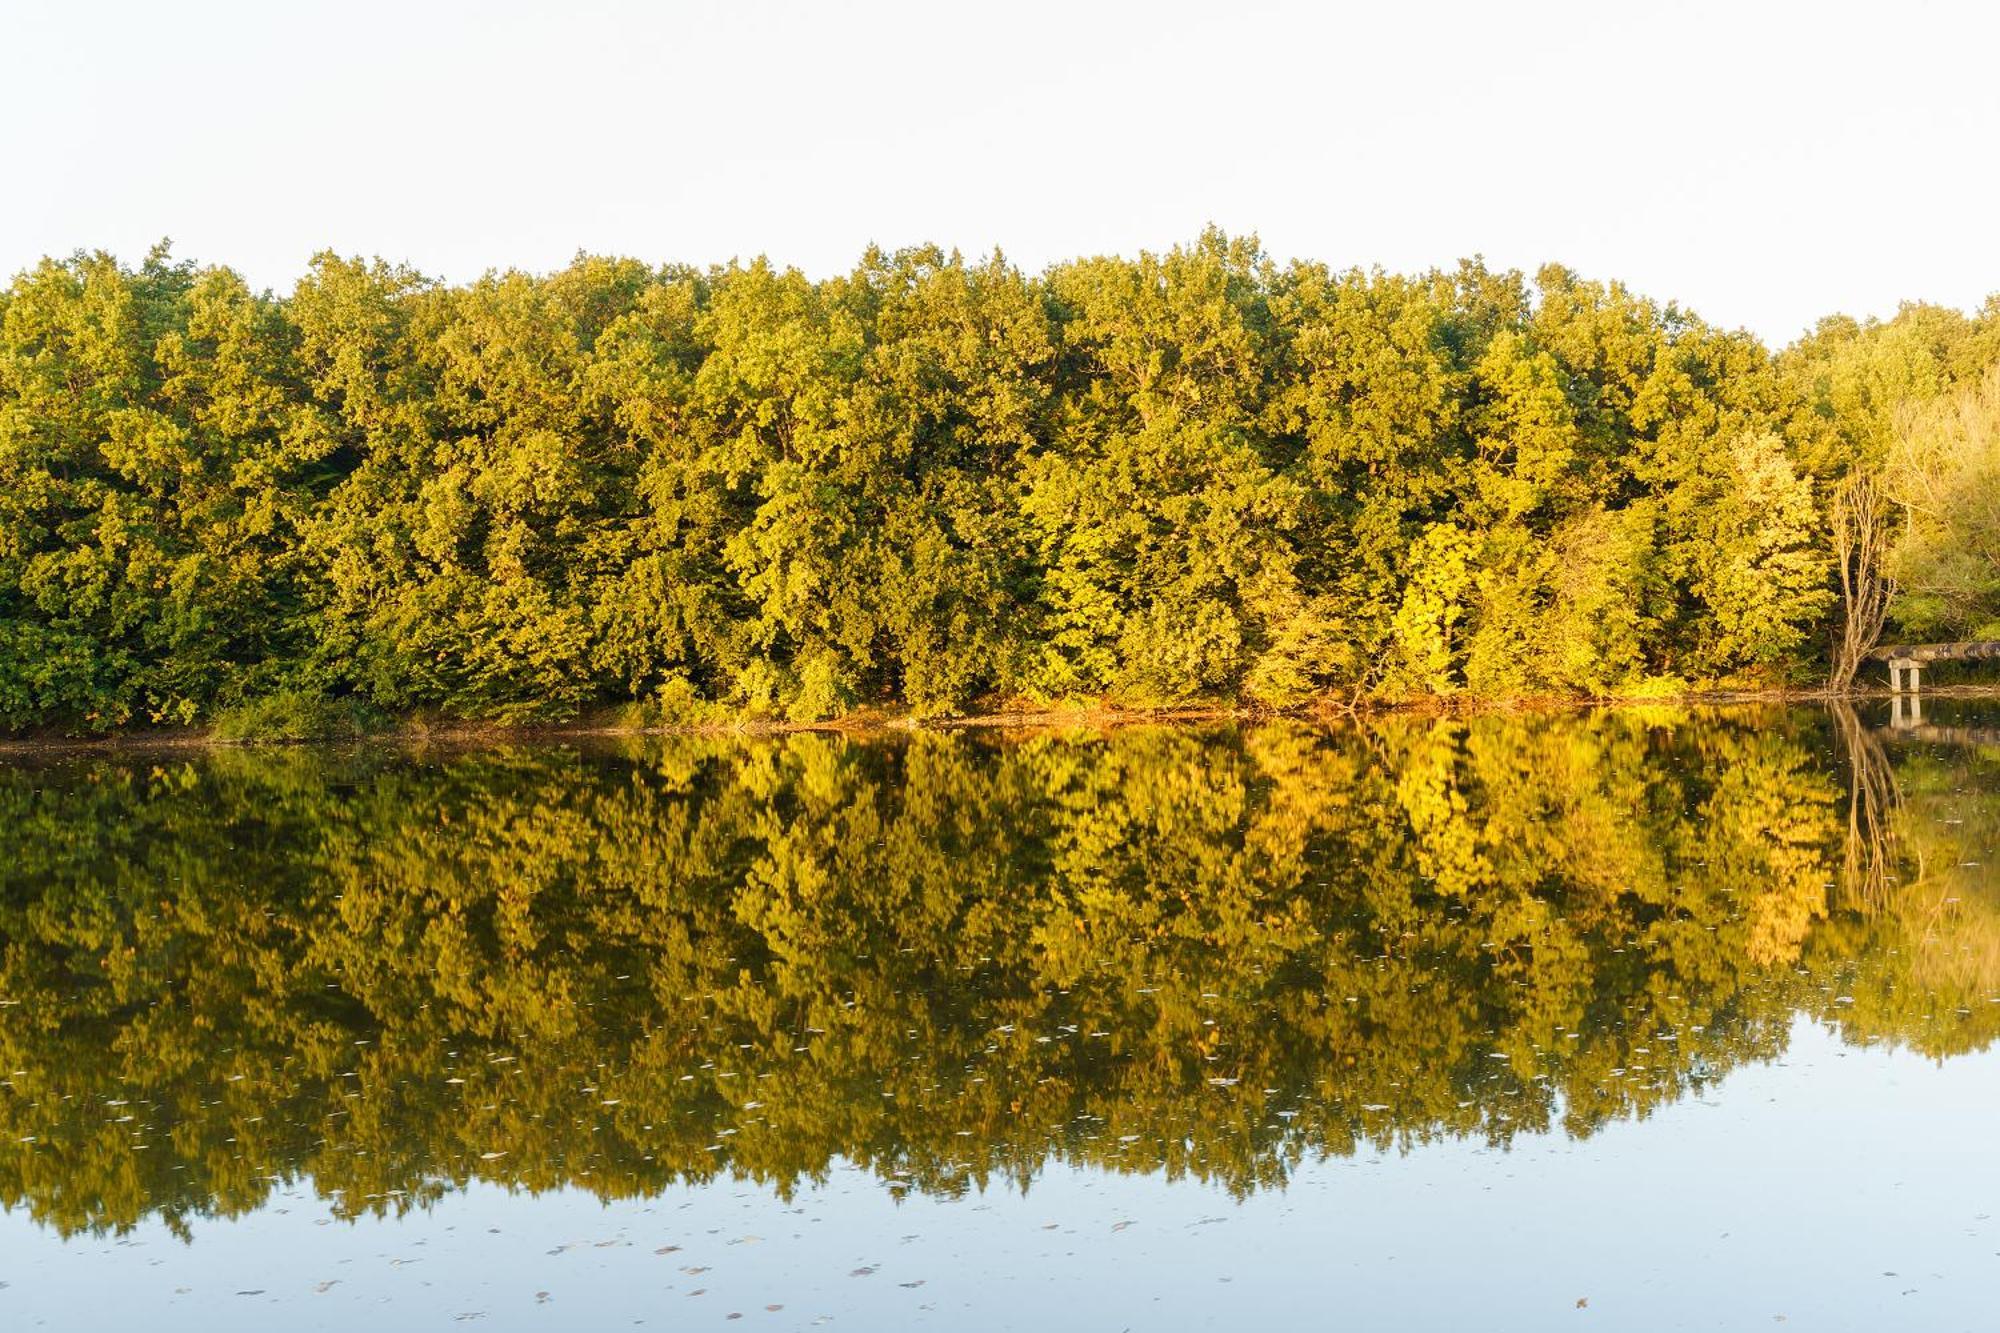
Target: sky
<point>1763,164</point>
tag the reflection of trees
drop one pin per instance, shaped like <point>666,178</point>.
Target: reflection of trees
<point>948,958</point>
<point>1926,825</point>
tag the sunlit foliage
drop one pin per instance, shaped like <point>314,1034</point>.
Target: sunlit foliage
<point>930,482</point>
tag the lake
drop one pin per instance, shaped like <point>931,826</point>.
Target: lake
<point>1642,1019</point>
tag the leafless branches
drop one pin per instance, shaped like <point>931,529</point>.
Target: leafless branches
<point>1861,545</point>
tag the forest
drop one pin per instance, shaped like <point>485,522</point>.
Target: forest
<point>950,486</point>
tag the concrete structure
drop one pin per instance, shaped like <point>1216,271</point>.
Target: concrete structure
<point>1907,660</point>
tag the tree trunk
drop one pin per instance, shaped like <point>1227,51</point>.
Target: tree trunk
<point>1861,543</point>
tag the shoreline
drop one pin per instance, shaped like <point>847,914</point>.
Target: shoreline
<point>877,723</point>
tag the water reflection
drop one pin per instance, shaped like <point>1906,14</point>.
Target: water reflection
<point>950,958</point>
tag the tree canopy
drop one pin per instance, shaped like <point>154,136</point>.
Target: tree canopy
<point>931,482</point>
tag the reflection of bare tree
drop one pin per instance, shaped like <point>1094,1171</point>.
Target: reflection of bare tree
<point>1874,807</point>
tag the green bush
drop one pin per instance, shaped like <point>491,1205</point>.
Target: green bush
<point>296,715</point>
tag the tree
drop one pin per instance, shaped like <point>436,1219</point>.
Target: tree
<point>1944,474</point>
<point>1862,549</point>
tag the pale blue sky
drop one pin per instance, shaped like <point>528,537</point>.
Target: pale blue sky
<point>1763,163</point>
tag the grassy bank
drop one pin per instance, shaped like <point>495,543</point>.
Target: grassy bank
<point>288,721</point>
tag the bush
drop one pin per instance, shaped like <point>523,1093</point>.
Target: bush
<point>296,715</point>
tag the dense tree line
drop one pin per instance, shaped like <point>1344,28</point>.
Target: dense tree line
<point>1199,953</point>
<point>933,482</point>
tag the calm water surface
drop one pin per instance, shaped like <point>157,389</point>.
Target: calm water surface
<point>1643,1019</point>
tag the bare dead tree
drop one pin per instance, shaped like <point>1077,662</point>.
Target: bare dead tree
<point>1861,544</point>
